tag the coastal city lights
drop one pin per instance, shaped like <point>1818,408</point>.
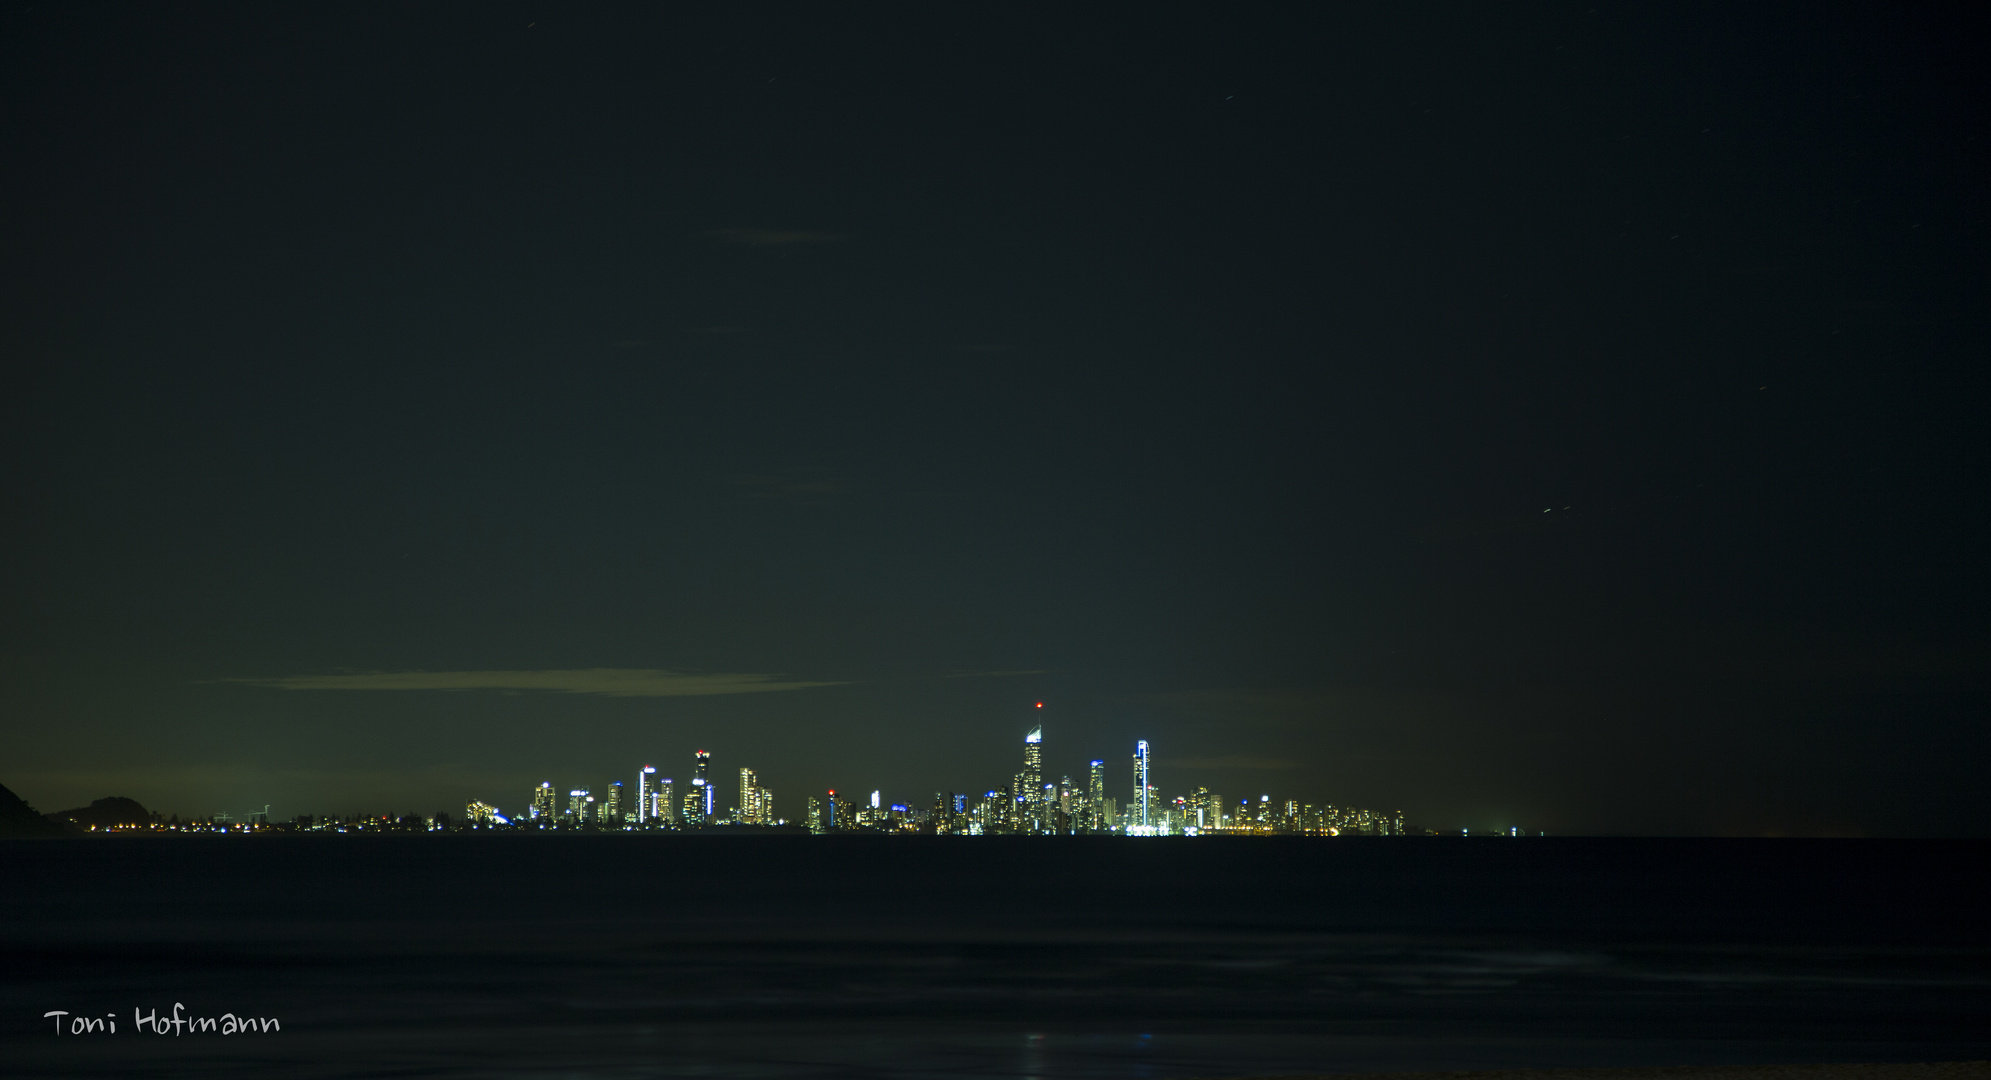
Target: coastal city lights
<point>1033,802</point>
<point>1029,804</point>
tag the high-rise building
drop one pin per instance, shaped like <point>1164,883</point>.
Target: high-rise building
<point>699,801</point>
<point>814,820</point>
<point>755,802</point>
<point>1095,798</point>
<point>646,808</point>
<point>1030,782</point>
<point>543,803</point>
<point>577,806</point>
<point>611,811</point>
<point>663,802</point>
<point>990,815</point>
<point>1137,814</point>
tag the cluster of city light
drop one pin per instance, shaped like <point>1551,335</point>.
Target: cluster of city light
<point>1029,805</point>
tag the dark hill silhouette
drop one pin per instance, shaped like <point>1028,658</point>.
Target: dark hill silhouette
<point>106,812</point>
<point>17,818</point>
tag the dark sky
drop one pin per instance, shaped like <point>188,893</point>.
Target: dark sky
<point>1569,416</point>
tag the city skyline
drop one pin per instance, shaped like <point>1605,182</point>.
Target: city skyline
<point>1018,808</point>
<point>1026,806</point>
<point>1023,807</point>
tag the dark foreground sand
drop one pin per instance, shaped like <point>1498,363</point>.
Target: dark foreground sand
<point>1933,1070</point>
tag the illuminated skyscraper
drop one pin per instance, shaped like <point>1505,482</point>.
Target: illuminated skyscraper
<point>1030,782</point>
<point>646,807</point>
<point>701,790</point>
<point>1095,798</point>
<point>543,805</point>
<point>1196,810</point>
<point>577,806</point>
<point>663,801</point>
<point>755,802</point>
<point>1138,812</point>
<point>611,811</point>
<point>842,813</point>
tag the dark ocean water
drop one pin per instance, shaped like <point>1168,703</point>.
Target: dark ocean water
<point>782,956</point>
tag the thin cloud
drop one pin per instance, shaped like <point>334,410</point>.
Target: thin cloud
<point>802,486</point>
<point>608,682</point>
<point>771,237</point>
<point>1230,763</point>
<point>994,674</point>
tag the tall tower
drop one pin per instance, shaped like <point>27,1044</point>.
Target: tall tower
<point>664,802</point>
<point>644,811</point>
<point>750,811</point>
<point>542,802</point>
<point>611,812</point>
<point>1140,808</point>
<point>701,788</point>
<point>1095,798</point>
<point>1030,782</point>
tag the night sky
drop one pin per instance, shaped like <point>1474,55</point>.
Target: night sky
<point>1566,416</point>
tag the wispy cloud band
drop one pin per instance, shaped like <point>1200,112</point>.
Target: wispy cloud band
<point>1238,762</point>
<point>609,682</point>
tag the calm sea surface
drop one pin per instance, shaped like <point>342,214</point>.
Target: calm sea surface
<point>784,956</point>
